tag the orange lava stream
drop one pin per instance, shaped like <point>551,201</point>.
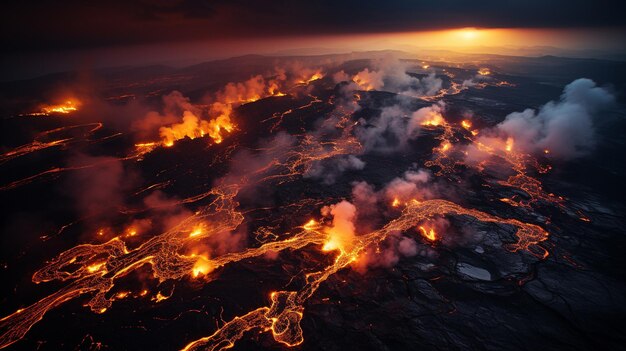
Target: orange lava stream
<point>40,142</point>
<point>66,107</point>
<point>282,317</point>
<point>443,158</point>
<point>93,269</point>
<point>441,153</point>
<point>520,163</point>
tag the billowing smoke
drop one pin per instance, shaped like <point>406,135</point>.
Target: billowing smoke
<point>565,127</point>
<point>411,186</point>
<point>328,170</point>
<point>174,104</point>
<point>390,74</point>
<point>181,119</point>
<point>342,232</point>
<point>478,79</point>
<point>395,126</point>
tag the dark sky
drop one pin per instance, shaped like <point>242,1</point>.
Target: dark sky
<point>29,25</point>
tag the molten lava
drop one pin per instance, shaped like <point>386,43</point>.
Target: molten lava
<point>68,106</point>
<point>428,233</point>
<point>93,270</point>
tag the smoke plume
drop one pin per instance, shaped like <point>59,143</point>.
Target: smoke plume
<point>564,127</point>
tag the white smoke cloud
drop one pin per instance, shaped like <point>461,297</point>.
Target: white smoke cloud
<point>563,127</point>
<point>413,185</point>
<point>475,80</point>
<point>390,74</point>
<point>394,127</point>
<point>341,234</point>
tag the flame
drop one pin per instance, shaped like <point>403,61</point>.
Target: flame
<point>484,71</point>
<point>395,202</point>
<point>428,233</point>
<point>160,297</point>
<point>196,231</point>
<point>434,119</point>
<point>331,244</point>
<point>364,80</point>
<point>315,76</point>
<point>283,315</point>
<point>95,267</point>
<point>67,107</point>
<point>193,127</point>
<point>274,89</point>
<point>201,267</point>
<point>310,225</point>
<point>509,144</point>
<point>467,125</point>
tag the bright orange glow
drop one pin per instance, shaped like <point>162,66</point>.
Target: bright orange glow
<point>434,119</point>
<point>64,108</point>
<point>160,297</point>
<point>198,230</point>
<point>310,225</point>
<point>509,144</point>
<point>428,233</point>
<point>201,267</point>
<point>170,259</point>
<point>95,267</point>
<point>317,75</point>
<point>365,79</point>
<point>468,33</point>
<point>330,245</point>
<point>484,71</point>
<point>193,127</point>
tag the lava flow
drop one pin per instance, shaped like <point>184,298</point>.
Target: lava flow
<point>282,317</point>
<point>94,269</point>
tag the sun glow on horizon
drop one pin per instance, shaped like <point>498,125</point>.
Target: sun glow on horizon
<point>468,33</point>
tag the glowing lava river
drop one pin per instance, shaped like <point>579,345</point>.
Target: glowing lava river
<point>313,205</point>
